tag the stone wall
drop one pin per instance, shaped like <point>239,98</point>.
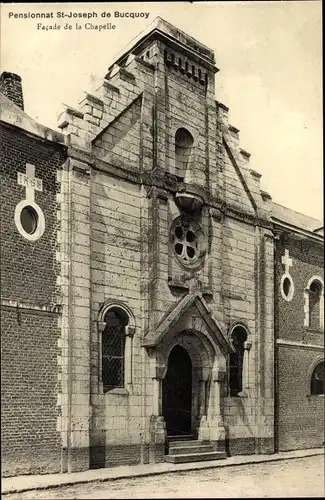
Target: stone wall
<point>124,135</point>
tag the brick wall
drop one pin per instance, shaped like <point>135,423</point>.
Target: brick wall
<point>29,330</point>
<point>300,416</point>
<point>30,441</point>
<point>308,261</point>
<point>10,86</point>
<point>29,269</point>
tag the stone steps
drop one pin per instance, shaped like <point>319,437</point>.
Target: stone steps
<point>190,450</point>
<point>182,437</point>
<point>195,457</point>
<point>185,450</point>
<point>187,443</point>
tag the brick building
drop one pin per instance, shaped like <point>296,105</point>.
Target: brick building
<point>31,155</point>
<point>160,278</point>
<point>299,329</point>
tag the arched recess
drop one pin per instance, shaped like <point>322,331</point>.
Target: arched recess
<point>177,393</point>
<point>315,377</point>
<point>116,324</point>
<point>238,360</point>
<point>200,350</point>
<point>208,366</point>
<point>184,149</point>
<point>314,303</point>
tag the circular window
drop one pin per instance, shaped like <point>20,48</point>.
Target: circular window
<point>188,240</point>
<point>29,220</point>
<point>287,287</point>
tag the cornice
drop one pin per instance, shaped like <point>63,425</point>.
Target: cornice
<point>294,231</point>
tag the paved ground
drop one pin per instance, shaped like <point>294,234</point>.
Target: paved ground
<point>302,477</point>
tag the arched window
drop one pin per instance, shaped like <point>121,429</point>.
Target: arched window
<point>183,149</point>
<point>315,293</point>
<point>314,304</point>
<point>236,360</point>
<point>317,379</point>
<point>113,348</point>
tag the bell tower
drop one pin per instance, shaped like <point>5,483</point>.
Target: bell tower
<point>184,114</point>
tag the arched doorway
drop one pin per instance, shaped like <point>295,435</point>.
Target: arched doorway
<point>177,393</point>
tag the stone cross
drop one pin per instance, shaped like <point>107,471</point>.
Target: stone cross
<point>286,261</point>
<point>30,182</point>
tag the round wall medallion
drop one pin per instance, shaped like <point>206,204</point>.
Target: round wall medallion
<point>29,219</point>
<point>188,240</point>
<point>287,287</point>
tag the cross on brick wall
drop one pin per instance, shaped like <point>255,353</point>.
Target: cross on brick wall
<point>286,261</point>
<point>30,182</point>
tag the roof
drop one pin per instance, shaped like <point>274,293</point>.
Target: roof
<point>13,115</point>
<point>7,105</point>
<point>296,219</point>
<point>161,28</point>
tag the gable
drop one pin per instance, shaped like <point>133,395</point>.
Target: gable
<point>119,142</point>
<point>237,193</point>
<point>190,313</point>
<point>15,116</point>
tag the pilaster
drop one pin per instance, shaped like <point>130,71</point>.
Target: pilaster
<point>74,239</point>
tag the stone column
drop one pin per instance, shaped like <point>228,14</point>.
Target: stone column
<point>157,423</point>
<point>204,428</point>
<point>217,430</point>
<point>157,396</point>
<point>245,370</point>
<point>129,333</point>
<point>321,310</point>
<point>246,382</point>
<point>202,410</point>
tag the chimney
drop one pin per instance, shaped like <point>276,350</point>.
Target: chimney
<point>10,86</point>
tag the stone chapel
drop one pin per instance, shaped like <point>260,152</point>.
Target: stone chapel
<point>149,285</point>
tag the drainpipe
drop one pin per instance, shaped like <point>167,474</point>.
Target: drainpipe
<point>70,322</point>
<point>275,322</point>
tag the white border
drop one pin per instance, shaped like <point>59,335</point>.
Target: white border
<point>288,297</point>
<point>321,302</point>
<point>128,348</point>
<point>40,223</point>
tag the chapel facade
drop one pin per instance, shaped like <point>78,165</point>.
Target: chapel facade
<point>161,292</point>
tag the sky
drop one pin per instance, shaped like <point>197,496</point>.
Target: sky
<point>270,60</point>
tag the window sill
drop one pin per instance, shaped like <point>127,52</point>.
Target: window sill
<point>312,396</point>
<point>240,395</point>
<point>117,391</point>
<point>314,330</point>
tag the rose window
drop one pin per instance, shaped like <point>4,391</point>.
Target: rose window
<point>188,240</point>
